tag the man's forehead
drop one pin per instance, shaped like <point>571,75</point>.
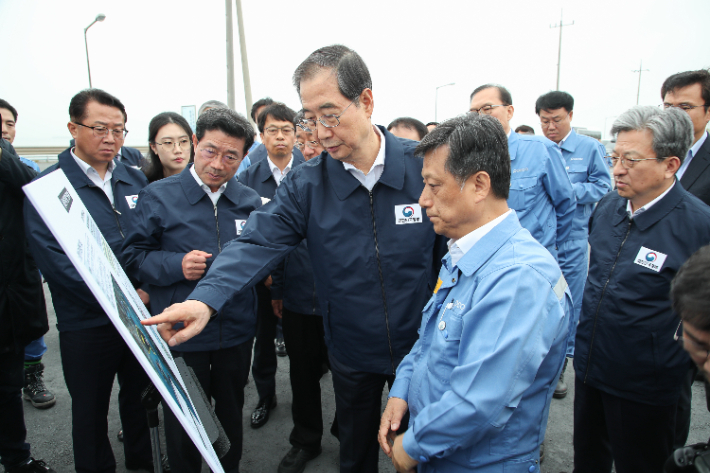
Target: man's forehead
<point>6,115</point>
<point>689,92</point>
<point>487,96</point>
<point>557,112</point>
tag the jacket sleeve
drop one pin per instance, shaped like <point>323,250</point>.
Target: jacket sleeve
<point>13,172</point>
<point>141,253</point>
<point>559,188</point>
<point>513,320</point>
<point>598,179</point>
<point>271,233</point>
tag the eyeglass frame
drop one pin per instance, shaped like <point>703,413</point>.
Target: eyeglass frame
<point>666,106</point>
<point>280,129</point>
<point>229,161</point>
<point>681,341</point>
<point>189,143</point>
<point>491,107</point>
<point>631,160</point>
<point>302,123</point>
<point>93,128</point>
<point>314,144</point>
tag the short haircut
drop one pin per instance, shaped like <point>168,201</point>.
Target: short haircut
<point>525,129</point>
<point>4,104</point>
<point>476,143</point>
<point>350,70</point>
<point>432,123</point>
<point>152,167</point>
<point>690,290</point>
<point>505,96</point>
<point>228,122</point>
<point>278,112</point>
<point>78,104</point>
<point>410,123</point>
<point>211,104</point>
<point>554,100</point>
<point>265,102</point>
<point>685,79</point>
<point>672,129</point>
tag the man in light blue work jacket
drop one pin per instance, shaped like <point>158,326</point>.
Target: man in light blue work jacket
<point>479,381</point>
<point>584,160</point>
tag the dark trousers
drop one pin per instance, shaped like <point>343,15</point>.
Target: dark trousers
<point>358,405</point>
<point>636,437</point>
<point>303,335</point>
<point>682,427</point>
<point>263,367</point>
<point>91,358</point>
<point>222,375</point>
<point>13,448</point>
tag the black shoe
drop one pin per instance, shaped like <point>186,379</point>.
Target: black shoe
<point>261,414</point>
<point>31,466</point>
<point>296,459</point>
<point>35,390</point>
<point>561,388</point>
<point>148,466</point>
<point>119,435</point>
<point>280,347</point>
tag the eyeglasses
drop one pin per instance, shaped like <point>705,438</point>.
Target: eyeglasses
<point>555,121</point>
<point>628,163</point>
<point>170,144</point>
<point>274,130</point>
<point>210,153</point>
<point>101,131</point>
<point>310,144</point>
<point>328,121</point>
<point>699,352</point>
<point>686,107</point>
<point>486,109</point>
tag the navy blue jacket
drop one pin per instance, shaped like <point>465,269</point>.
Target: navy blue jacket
<point>294,283</point>
<point>624,342</point>
<point>74,303</point>
<point>372,275</point>
<point>131,156</point>
<point>174,216</point>
<point>259,154</point>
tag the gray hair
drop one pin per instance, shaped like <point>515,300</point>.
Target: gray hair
<point>672,129</point>
<point>351,71</point>
<point>476,143</point>
<point>211,104</point>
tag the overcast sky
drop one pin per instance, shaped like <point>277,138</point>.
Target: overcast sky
<point>160,55</point>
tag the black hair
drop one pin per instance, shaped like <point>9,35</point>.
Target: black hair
<point>4,104</point>
<point>78,104</point>
<point>688,78</point>
<point>151,165</point>
<point>690,290</point>
<point>265,102</point>
<point>433,123</point>
<point>476,143</point>
<point>410,123</point>
<point>554,100</point>
<point>525,129</point>
<point>228,122</point>
<point>505,96</point>
<point>278,112</point>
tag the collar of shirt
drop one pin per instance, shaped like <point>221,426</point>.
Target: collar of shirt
<point>276,172</point>
<point>370,179</point>
<point>638,211</point>
<point>562,141</point>
<point>93,175</point>
<point>214,196</point>
<point>691,153</point>
<point>458,248</point>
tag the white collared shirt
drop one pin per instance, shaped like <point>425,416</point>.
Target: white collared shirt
<point>562,141</point>
<point>375,173</point>
<point>278,173</point>
<point>103,184</point>
<point>691,153</point>
<point>458,248</point>
<point>640,210</point>
<point>214,196</point>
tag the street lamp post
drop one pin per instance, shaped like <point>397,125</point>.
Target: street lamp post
<point>436,101</point>
<point>99,17</point>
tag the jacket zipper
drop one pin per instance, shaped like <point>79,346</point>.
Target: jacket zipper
<point>601,299</point>
<point>116,213</point>
<point>219,248</point>
<point>382,281</point>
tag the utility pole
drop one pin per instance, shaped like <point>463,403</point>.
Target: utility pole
<point>230,55</point>
<point>639,70</point>
<point>245,62</point>
<point>559,48</point>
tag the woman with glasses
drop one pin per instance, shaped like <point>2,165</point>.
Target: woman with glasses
<point>170,139</point>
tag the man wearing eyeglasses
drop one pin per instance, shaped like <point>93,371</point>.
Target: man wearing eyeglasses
<point>628,369</point>
<point>374,251</point>
<point>584,162</point>
<point>92,350</point>
<point>181,224</point>
<point>278,135</point>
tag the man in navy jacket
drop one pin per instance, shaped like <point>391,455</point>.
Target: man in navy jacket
<point>374,252</point>
<point>629,369</point>
<point>181,224</point>
<point>93,352</point>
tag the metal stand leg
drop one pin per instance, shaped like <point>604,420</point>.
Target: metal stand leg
<point>150,400</point>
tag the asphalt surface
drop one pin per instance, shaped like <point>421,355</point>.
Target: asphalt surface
<point>49,431</point>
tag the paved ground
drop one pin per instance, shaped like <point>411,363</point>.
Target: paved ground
<point>49,431</point>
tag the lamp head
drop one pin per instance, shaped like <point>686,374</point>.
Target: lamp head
<point>100,17</point>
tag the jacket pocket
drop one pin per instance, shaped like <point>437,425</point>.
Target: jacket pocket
<point>444,353</point>
<point>522,191</point>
